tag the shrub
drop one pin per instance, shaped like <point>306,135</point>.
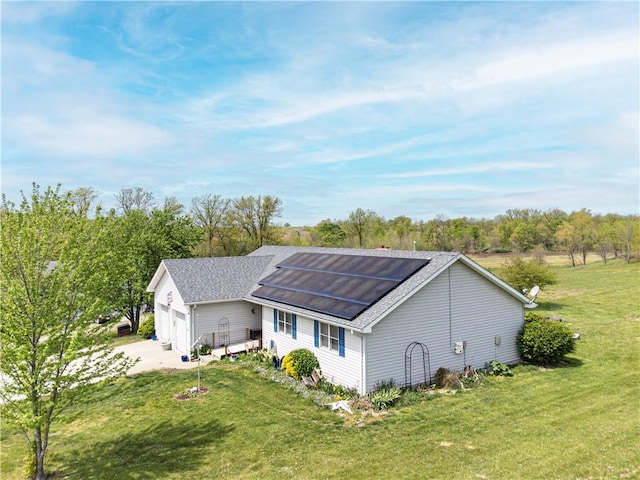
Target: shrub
<point>147,328</point>
<point>499,369</point>
<point>533,317</point>
<point>545,342</point>
<point>300,363</point>
<point>446,378</point>
<point>289,367</point>
<point>522,274</point>
<point>441,375</point>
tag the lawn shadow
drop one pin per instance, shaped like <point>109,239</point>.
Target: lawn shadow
<point>155,452</point>
<point>549,306</point>
<point>569,362</point>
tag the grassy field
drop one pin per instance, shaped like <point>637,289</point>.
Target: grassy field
<point>581,421</point>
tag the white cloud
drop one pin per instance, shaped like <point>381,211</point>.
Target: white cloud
<point>552,60</point>
<point>19,13</point>
<point>92,135</point>
<point>472,169</point>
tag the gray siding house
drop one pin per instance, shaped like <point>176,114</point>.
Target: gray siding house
<point>367,315</point>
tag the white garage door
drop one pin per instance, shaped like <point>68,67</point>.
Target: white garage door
<point>164,332</point>
<point>181,333</point>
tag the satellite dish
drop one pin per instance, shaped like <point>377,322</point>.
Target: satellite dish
<point>534,292</point>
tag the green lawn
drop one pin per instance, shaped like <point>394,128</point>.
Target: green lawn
<point>581,421</point>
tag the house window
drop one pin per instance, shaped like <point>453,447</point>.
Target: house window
<point>329,337</point>
<point>284,322</point>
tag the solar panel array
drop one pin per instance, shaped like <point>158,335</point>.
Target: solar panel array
<point>340,285</point>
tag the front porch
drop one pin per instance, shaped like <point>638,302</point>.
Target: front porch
<point>234,349</point>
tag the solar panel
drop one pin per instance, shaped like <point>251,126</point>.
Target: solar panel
<point>340,285</point>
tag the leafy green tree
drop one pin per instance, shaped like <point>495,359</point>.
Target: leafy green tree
<point>584,232</point>
<point>605,236</point>
<point>401,225</point>
<point>363,225</point>
<point>550,220</point>
<point>52,278</point>
<point>139,242</point>
<point>566,238</point>
<point>437,234</point>
<point>521,274</point>
<point>628,230</point>
<point>329,234</point>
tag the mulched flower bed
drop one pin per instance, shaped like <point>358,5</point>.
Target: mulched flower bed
<point>191,393</point>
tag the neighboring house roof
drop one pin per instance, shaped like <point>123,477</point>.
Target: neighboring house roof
<point>208,280</point>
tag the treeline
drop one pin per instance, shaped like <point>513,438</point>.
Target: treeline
<point>140,232</point>
<point>517,230</point>
<point>216,226</point>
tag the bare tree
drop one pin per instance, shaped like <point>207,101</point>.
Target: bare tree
<point>210,213</point>
<point>134,199</point>
<point>173,207</point>
<point>82,198</point>
<point>254,216</point>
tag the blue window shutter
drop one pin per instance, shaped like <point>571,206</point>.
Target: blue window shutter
<point>341,341</point>
<point>316,333</point>
<point>275,320</point>
<point>294,321</point>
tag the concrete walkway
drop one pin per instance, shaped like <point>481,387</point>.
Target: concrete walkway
<point>153,357</point>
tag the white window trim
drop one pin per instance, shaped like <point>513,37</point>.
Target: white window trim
<point>285,323</point>
<point>327,340</point>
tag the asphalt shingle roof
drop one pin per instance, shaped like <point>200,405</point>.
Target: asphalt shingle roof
<point>204,280</point>
<point>438,261</point>
<point>208,280</point>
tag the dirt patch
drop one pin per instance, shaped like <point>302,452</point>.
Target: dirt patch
<point>191,393</point>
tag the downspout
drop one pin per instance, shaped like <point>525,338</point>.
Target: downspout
<point>450,313</point>
<point>363,368</point>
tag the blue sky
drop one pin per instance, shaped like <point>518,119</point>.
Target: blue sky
<point>406,108</point>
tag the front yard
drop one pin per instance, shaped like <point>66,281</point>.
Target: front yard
<point>579,421</point>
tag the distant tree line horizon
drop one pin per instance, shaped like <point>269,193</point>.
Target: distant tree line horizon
<point>219,226</point>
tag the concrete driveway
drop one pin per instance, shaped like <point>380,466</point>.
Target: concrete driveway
<point>153,357</point>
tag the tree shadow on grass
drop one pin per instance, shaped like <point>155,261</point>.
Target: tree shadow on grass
<point>159,450</point>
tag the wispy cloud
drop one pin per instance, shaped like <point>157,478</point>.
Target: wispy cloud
<point>472,169</point>
<point>401,107</point>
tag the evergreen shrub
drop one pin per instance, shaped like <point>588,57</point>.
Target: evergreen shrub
<point>147,328</point>
<point>545,342</point>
